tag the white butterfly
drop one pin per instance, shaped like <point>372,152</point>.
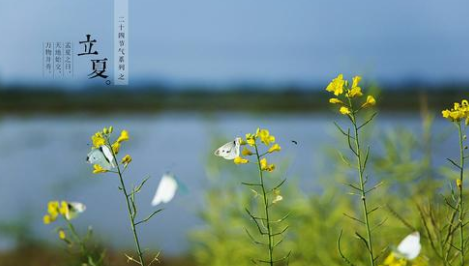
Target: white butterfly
<point>74,208</point>
<point>409,247</point>
<point>230,150</point>
<point>102,156</point>
<point>166,190</point>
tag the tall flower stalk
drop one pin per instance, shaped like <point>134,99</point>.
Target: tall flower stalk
<point>104,160</point>
<point>267,227</point>
<point>456,115</point>
<point>347,98</point>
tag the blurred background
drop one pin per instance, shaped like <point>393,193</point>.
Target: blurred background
<point>201,73</point>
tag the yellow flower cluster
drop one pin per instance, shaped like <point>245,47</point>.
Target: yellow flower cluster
<point>264,136</point>
<point>458,112</point>
<point>101,138</point>
<point>98,169</point>
<point>338,86</point>
<point>393,260</point>
<point>54,209</point>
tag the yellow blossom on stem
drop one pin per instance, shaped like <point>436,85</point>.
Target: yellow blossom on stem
<point>355,81</point>
<point>344,110</point>
<point>116,147</point>
<point>62,234</point>
<point>459,112</point>
<point>370,101</point>
<point>97,169</point>
<point>354,92</point>
<point>53,208</point>
<point>246,152</point>
<point>265,136</point>
<point>335,101</point>
<point>337,85</point>
<point>126,160</point>
<point>47,219</point>
<point>274,148</point>
<point>123,137</point>
<point>250,139</point>
<point>98,140</point>
<point>63,210</point>
<point>458,183</point>
<point>240,160</point>
<point>265,166</point>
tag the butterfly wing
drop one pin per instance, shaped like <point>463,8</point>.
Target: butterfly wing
<point>108,154</point>
<point>230,150</point>
<point>74,208</point>
<point>102,156</point>
<point>166,190</point>
<point>410,246</point>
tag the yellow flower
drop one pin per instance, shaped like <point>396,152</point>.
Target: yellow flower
<point>335,101</point>
<point>265,166</point>
<point>250,139</point>
<point>459,112</point>
<point>53,209</point>
<point>63,210</point>
<point>458,183</point>
<point>126,160</point>
<point>47,219</point>
<point>62,234</point>
<point>355,81</point>
<point>265,136</point>
<point>344,110</point>
<point>246,152</point>
<point>337,85</point>
<point>446,113</point>
<point>116,147</point>
<point>98,169</point>
<point>274,148</point>
<point>354,92</point>
<point>98,140</point>
<point>370,101</point>
<point>124,136</point>
<point>393,260</point>
<point>240,160</point>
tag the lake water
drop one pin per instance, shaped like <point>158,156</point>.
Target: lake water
<point>43,158</point>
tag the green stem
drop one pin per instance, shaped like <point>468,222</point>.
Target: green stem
<point>362,186</point>
<point>461,177</point>
<point>76,236</point>
<point>266,208</point>
<point>129,208</point>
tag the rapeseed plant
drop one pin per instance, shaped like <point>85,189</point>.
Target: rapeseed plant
<point>103,156</point>
<point>459,116</point>
<point>266,226</point>
<point>64,212</point>
<point>350,103</point>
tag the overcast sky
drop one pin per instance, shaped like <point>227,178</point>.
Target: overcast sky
<point>270,42</point>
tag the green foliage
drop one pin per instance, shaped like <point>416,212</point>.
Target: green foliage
<point>402,162</point>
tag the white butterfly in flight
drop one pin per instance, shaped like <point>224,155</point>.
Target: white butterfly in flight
<point>230,150</point>
<point>74,208</point>
<point>166,190</point>
<point>409,247</point>
<point>102,156</point>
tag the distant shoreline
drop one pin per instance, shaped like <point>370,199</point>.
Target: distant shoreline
<point>152,101</point>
